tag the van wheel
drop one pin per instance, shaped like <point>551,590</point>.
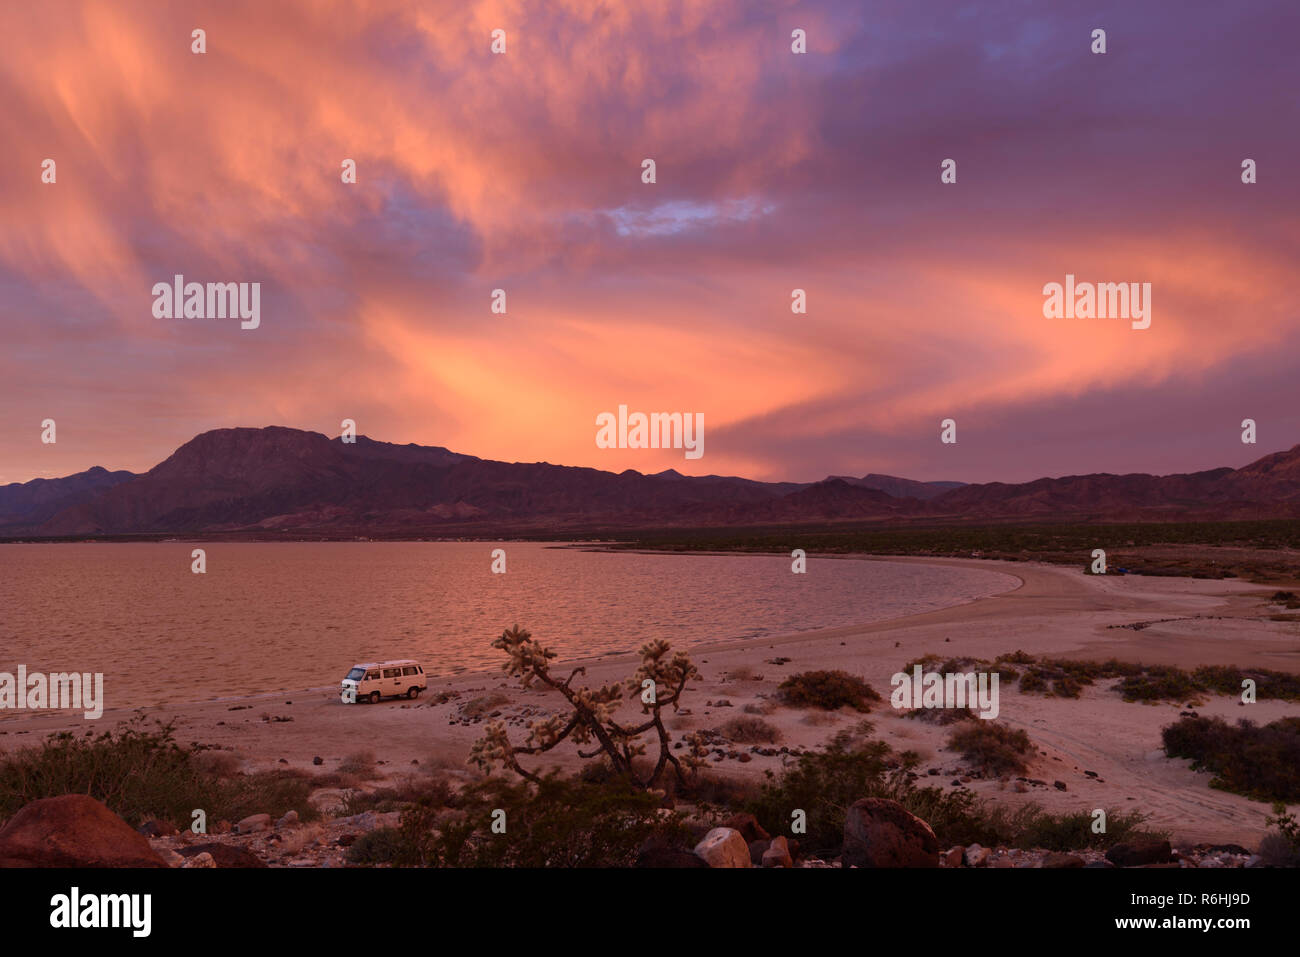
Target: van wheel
<point>374,697</point>
<point>413,692</point>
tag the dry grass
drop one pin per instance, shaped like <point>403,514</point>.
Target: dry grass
<point>750,730</point>
<point>359,762</point>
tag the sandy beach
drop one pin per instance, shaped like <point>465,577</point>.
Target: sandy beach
<point>1055,611</point>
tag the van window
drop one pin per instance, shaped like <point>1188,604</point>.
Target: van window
<point>392,672</point>
<point>408,670</point>
<point>372,675</point>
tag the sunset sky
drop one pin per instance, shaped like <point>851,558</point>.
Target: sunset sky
<point>775,171</point>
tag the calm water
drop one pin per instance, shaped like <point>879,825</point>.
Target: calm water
<point>286,616</point>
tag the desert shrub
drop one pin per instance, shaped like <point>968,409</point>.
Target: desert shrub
<point>383,845</point>
<point>766,706</point>
<point>1031,681</point>
<point>1030,826</point>
<point>825,783</point>
<point>1017,657</point>
<point>1160,683</point>
<point>1268,684</point>
<point>928,663</point>
<point>140,772</point>
<point>1281,847</point>
<point>941,716</point>
<point>358,762</point>
<point>993,748</point>
<point>828,690</point>
<point>1262,762</point>
<point>822,784</point>
<point>550,822</point>
<point>750,730</point>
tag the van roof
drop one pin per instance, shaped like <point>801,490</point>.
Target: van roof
<point>380,664</point>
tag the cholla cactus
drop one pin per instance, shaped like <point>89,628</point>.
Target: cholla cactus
<point>659,682</point>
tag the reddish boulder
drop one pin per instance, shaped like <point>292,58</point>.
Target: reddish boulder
<point>73,830</point>
<point>882,833</point>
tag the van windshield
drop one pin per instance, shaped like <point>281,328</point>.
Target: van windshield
<point>356,674</point>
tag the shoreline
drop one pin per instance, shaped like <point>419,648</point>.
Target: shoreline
<point>1053,611</point>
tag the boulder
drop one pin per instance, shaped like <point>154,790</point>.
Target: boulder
<point>724,847</point>
<point>756,851</point>
<point>778,854</point>
<point>748,827</point>
<point>156,829</point>
<point>977,856</point>
<point>223,855</point>
<point>1140,853</point>
<point>954,856</point>
<point>290,819</point>
<point>1057,859</point>
<point>200,860</point>
<point>73,830</point>
<point>882,833</point>
<point>254,822</point>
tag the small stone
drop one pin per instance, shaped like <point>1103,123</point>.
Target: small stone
<point>252,823</point>
<point>202,859</point>
<point>778,854</point>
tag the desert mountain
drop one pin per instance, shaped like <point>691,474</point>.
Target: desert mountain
<point>281,479</point>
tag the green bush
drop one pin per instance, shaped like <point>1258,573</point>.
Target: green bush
<point>557,822</point>
<point>828,690</point>
<point>141,773</point>
<point>1262,762</point>
<point>993,748</point>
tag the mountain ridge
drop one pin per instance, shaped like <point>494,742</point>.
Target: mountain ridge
<point>279,478</point>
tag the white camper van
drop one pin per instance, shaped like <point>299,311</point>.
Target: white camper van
<point>372,680</point>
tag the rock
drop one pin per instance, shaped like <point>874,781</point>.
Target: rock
<point>1140,853</point>
<point>748,827</point>
<point>778,854</point>
<point>882,833</point>
<point>954,856</point>
<point>172,858</point>
<point>756,851</point>
<point>724,847</point>
<point>1059,785</point>
<point>977,856</point>
<point>200,860</point>
<point>73,830</point>
<point>318,760</point>
<point>156,829</point>
<point>1057,859</point>
<point>290,819</point>
<point>222,855</point>
<point>1254,861</point>
<point>254,822</point>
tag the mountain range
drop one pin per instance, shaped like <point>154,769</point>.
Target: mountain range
<point>282,480</point>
